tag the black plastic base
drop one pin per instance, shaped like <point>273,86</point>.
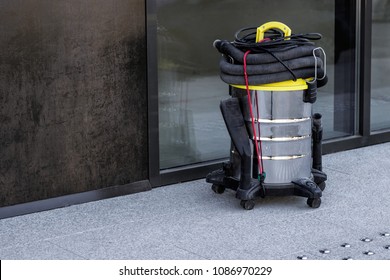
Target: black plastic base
<point>305,187</point>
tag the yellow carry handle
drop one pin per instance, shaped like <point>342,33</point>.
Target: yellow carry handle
<point>272,25</point>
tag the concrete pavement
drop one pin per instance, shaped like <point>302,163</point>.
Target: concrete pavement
<point>189,221</point>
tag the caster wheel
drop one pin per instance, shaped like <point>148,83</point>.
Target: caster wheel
<point>314,202</point>
<point>218,188</point>
<point>247,204</point>
<point>322,186</point>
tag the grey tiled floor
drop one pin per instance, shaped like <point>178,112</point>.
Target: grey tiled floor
<point>189,221</point>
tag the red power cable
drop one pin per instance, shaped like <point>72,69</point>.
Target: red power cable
<point>259,161</point>
<point>258,129</point>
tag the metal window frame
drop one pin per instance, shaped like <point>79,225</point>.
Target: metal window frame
<point>363,137</point>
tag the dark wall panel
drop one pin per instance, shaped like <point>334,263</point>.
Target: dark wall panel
<point>73,104</point>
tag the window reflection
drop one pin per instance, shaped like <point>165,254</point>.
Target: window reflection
<point>190,123</point>
<point>380,65</point>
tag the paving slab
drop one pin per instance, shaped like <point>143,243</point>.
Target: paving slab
<point>189,221</point>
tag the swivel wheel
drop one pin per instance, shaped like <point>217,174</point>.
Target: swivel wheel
<point>314,202</point>
<point>218,188</point>
<point>322,186</point>
<point>247,204</point>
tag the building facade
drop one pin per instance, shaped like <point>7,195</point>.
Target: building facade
<point>105,98</point>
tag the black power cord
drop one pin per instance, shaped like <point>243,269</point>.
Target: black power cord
<point>275,58</point>
<point>275,41</point>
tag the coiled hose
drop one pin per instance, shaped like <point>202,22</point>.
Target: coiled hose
<point>274,59</point>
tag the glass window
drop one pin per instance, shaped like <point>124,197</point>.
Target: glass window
<point>380,65</point>
<point>191,128</point>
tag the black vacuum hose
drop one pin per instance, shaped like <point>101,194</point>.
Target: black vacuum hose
<point>304,73</point>
<point>227,48</point>
<point>269,68</point>
<point>275,59</point>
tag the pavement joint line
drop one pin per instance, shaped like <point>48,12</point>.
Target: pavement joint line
<point>70,251</point>
<point>191,252</point>
<point>337,170</point>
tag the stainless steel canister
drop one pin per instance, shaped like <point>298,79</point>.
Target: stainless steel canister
<point>283,124</point>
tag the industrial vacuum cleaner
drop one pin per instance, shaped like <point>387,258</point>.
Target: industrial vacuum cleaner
<point>273,77</point>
